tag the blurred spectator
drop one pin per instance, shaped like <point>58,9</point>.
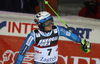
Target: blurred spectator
<point>98,13</point>
<point>30,6</point>
<point>25,6</point>
<point>1,4</point>
<point>91,9</point>
<point>10,5</point>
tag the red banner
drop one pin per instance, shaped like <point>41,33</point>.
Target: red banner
<point>69,52</point>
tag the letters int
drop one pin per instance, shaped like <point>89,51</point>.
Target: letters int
<point>12,26</point>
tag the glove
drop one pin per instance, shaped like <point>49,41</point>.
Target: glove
<point>85,46</point>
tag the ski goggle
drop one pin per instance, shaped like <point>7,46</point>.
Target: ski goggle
<point>47,23</point>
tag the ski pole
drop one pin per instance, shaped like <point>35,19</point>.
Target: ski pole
<point>46,2</point>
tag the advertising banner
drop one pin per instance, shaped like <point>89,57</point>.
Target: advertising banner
<point>14,28</point>
<point>69,52</point>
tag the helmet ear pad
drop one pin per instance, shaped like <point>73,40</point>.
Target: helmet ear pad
<point>39,24</point>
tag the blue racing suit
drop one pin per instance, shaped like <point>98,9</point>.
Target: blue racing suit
<point>35,37</point>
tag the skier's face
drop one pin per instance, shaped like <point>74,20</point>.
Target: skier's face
<point>48,25</point>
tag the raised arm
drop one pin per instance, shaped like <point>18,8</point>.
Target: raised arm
<point>85,45</point>
<point>64,32</point>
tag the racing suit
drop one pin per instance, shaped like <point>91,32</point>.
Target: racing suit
<point>45,44</point>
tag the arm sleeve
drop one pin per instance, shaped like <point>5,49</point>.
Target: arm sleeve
<point>27,44</point>
<point>64,32</point>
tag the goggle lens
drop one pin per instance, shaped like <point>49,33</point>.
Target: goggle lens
<point>47,23</point>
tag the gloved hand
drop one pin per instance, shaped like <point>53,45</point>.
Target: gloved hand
<point>85,46</point>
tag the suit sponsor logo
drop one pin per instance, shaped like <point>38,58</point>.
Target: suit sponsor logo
<point>29,41</point>
<point>46,42</point>
<point>48,59</point>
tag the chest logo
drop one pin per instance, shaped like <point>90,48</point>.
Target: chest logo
<point>47,42</point>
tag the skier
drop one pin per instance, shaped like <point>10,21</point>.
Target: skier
<point>44,39</point>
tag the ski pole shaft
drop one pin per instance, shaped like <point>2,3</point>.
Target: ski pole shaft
<point>46,2</point>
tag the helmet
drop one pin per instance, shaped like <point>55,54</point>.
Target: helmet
<point>41,18</point>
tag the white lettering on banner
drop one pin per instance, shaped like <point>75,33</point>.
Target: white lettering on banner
<point>6,56</point>
<point>64,58</point>
<point>97,60</point>
<point>9,55</point>
<point>76,59</point>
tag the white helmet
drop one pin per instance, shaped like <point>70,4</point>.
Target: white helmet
<point>42,17</point>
